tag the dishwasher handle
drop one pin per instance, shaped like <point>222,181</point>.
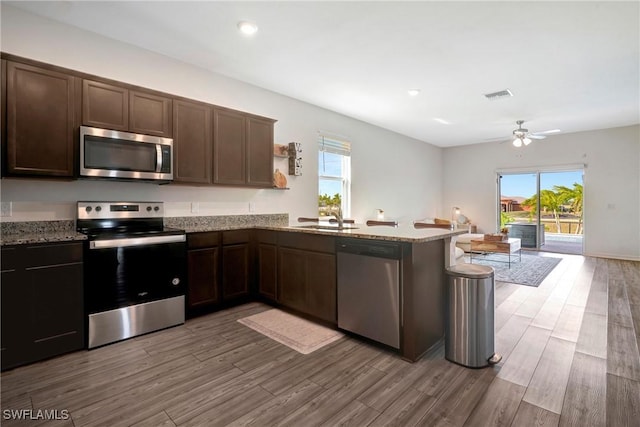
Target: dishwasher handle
<point>375,249</point>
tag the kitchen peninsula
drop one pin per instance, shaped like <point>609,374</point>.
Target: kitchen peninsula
<point>422,255</point>
<point>248,257</point>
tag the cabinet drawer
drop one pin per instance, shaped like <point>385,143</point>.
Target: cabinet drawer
<point>267,236</point>
<point>44,255</point>
<point>9,258</point>
<point>205,239</point>
<point>308,242</point>
<point>234,237</point>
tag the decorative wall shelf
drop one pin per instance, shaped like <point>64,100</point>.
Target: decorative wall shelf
<point>280,150</point>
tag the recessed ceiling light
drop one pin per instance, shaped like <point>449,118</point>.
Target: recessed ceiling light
<point>443,121</point>
<point>247,28</point>
<point>414,92</point>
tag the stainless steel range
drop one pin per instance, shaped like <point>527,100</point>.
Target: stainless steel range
<point>134,270</point>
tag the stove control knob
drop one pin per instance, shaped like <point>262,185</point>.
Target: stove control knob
<point>88,209</point>
<point>156,209</point>
<point>148,208</point>
<point>98,208</point>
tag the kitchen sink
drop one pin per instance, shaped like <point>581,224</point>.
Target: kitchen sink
<point>327,227</point>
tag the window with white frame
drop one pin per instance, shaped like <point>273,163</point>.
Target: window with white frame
<point>334,176</point>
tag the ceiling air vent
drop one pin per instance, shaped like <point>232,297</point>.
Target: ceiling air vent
<point>497,95</point>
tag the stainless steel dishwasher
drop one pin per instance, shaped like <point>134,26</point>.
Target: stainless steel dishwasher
<point>369,289</point>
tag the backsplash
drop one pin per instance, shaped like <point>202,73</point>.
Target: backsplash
<point>37,227</point>
<point>222,222</point>
<point>188,223</point>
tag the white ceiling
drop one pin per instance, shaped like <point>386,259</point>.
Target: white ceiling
<point>570,65</point>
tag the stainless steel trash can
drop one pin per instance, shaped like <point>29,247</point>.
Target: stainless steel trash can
<point>469,323</point>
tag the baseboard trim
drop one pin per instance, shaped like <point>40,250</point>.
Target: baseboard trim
<point>613,256</point>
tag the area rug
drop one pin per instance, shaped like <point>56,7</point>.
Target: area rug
<point>299,334</point>
<point>531,271</point>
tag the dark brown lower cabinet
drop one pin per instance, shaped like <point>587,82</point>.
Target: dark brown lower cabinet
<point>266,269</point>
<point>307,274</point>
<point>235,271</point>
<point>292,279</point>
<point>236,264</point>
<point>42,302</point>
<point>220,267</point>
<point>203,277</point>
<point>203,256</point>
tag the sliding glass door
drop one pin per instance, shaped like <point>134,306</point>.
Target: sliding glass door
<point>543,209</point>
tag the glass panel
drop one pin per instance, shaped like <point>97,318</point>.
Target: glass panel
<point>105,153</point>
<point>561,211</point>
<point>518,207</point>
<point>329,164</point>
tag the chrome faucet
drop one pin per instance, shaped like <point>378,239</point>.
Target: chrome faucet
<point>338,216</point>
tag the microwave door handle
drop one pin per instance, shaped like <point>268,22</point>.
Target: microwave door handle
<point>158,158</point>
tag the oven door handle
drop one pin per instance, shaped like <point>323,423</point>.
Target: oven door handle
<point>137,241</point>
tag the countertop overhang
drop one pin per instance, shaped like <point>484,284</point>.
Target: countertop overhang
<point>401,233</point>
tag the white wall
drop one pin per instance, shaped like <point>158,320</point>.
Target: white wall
<point>389,171</point>
<point>611,183</point>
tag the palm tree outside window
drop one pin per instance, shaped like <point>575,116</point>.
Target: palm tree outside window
<point>334,176</point>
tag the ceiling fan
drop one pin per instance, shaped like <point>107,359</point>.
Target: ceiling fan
<point>521,136</point>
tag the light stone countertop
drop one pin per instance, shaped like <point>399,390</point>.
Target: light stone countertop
<point>401,233</point>
<point>60,231</point>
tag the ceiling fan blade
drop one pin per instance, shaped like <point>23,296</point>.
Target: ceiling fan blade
<point>547,132</point>
<point>536,136</point>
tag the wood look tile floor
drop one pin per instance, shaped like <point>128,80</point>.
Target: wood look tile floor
<point>570,357</point>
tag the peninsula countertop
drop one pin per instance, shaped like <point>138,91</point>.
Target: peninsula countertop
<point>400,233</point>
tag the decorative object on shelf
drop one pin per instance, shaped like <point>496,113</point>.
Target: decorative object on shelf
<point>295,158</point>
<point>279,180</point>
<point>280,150</point>
<point>497,237</point>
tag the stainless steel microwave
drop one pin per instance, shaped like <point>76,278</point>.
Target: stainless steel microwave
<point>114,154</point>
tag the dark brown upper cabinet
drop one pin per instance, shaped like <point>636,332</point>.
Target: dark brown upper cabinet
<point>115,107</point>
<point>105,106</point>
<point>259,152</point>
<point>150,114</point>
<point>242,149</point>
<point>42,119</point>
<point>192,142</point>
<point>229,150</point>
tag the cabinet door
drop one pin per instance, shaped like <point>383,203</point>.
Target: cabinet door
<point>235,271</point>
<point>259,152</point>
<point>57,309</point>
<point>203,277</point>
<point>150,114</point>
<point>3,115</point>
<point>267,270</point>
<point>321,286</point>
<point>54,273</point>
<point>292,275</point>
<point>105,106</point>
<point>41,121</point>
<point>192,142</point>
<point>229,147</point>
<point>15,322</point>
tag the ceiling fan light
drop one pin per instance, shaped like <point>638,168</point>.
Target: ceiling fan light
<point>517,143</point>
<point>526,141</point>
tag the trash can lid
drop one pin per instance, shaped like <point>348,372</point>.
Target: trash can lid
<point>472,271</point>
